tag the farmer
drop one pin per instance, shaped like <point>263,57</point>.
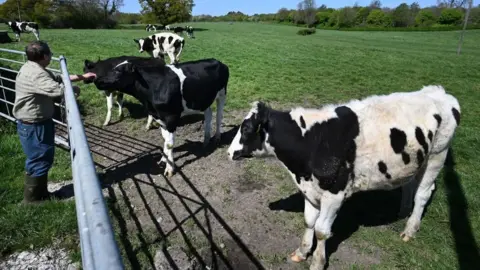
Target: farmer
<point>36,88</point>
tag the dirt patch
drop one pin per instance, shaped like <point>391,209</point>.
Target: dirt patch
<point>212,214</point>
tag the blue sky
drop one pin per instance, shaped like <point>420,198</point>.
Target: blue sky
<point>221,7</point>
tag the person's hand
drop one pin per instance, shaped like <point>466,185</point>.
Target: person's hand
<point>76,90</point>
<point>89,75</point>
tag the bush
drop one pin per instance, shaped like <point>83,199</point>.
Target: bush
<point>308,31</point>
<point>425,18</point>
<point>450,16</point>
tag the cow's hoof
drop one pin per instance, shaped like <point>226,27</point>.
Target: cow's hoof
<point>294,257</point>
<point>168,173</point>
<point>405,237</point>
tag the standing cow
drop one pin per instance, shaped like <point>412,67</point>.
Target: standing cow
<point>168,91</point>
<point>24,27</point>
<point>380,142</point>
<point>157,45</point>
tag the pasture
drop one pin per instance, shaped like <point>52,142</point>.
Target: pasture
<point>224,214</point>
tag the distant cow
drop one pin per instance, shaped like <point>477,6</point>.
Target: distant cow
<point>168,91</point>
<point>178,30</point>
<point>380,142</point>
<point>24,27</point>
<point>157,45</point>
<point>189,30</point>
<point>109,94</point>
<point>152,27</point>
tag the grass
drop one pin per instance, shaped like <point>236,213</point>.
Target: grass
<point>274,64</point>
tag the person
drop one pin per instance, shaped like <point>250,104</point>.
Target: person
<point>36,89</point>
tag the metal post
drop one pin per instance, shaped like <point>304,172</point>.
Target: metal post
<point>18,6</point>
<point>470,2</point>
<point>99,249</point>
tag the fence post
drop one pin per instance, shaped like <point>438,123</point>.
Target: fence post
<point>99,249</point>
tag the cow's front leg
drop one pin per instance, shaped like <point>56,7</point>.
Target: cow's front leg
<point>120,105</point>
<point>169,139</point>
<point>311,216</point>
<point>109,97</point>
<point>330,204</point>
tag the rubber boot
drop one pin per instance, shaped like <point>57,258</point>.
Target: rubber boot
<point>35,189</point>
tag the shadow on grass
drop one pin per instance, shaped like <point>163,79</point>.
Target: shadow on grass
<point>465,244</point>
<point>124,158</point>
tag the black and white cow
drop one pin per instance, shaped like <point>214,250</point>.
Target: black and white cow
<point>109,94</point>
<point>24,27</point>
<point>380,142</point>
<point>160,44</point>
<point>168,91</point>
<point>152,27</point>
<point>189,30</point>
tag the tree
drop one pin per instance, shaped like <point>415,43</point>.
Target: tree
<point>362,15</point>
<point>282,15</point>
<point>450,16</point>
<point>110,7</point>
<point>310,11</point>
<point>168,11</point>
<point>376,17</point>
<point>400,15</point>
<point>375,4</point>
<point>451,3</point>
<point>425,18</point>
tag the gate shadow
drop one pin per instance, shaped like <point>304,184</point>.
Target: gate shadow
<point>131,176</point>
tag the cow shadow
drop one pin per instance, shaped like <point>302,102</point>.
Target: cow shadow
<point>195,29</point>
<point>355,212</point>
<point>468,254</point>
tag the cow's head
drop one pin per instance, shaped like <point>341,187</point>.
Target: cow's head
<point>251,136</point>
<point>144,44</point>
<point>111,74</point>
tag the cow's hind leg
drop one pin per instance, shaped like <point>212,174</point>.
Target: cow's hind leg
<point>424,192</point>
<point>220,106</point>
<point>37,35</point>
<point>207,126</point>
<point>120,104</point>
<point>149,122</point>
<point>311,216</point>
<point>109,96</point>
<point>330,204</point>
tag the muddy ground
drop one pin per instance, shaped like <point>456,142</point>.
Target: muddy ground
<point>213,213</point>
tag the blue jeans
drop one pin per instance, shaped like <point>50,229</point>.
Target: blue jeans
<point>38,143</point>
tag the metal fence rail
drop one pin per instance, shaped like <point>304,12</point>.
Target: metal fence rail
<point>98,246</point>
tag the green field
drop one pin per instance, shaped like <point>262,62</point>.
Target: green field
<point>271,63</point>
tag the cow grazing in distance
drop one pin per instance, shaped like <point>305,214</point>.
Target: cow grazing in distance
<point>157,45</point>
<point>168,92</point>
<point>24,27</point>
<point>178,30</point>
<point>109,94</point>
<point>380,142</point>
<point>152,27</point>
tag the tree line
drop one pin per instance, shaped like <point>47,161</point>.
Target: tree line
<point>307,13</point>
<point>84,14</point>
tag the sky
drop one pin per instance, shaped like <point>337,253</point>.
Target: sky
<point>250,7</point>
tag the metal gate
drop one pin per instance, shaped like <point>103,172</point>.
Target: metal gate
<point>98,246</point>
<point>10,63</point>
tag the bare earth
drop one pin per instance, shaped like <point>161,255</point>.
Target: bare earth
<point>213,213</point>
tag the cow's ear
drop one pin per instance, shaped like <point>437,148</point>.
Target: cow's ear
<point>262,110</point>
<point>136,40</point>
<point>89,64</point>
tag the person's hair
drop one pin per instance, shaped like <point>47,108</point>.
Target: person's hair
<point>37,50</point>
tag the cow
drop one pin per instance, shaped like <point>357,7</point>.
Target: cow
<point>150,27</point>
<point>379,142</point>
<point>168,92</point>
<point>178,30</point>
<point>24,27</point>
<point>189,30</point>
<point>109,94</point>
<point>157,45</point>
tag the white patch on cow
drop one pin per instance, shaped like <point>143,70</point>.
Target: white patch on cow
<point>122,63</point>
<point>182,77</point>
<point>312,116</point>
<point>140,43</point>
<point>235,145</point>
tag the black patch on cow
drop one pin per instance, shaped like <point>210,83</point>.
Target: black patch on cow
<point>420,157</point>
<point>327,150</point>
<point>170,39</point>
<point>405,158</point>
<point>456,115</point>
<point>382,167</point>
<point>438,118</point>
<point>398,140</point>
<point>421,139</point>
<point>302,122</point>
<point>154,41</point>
<point>430,135</point>
<point>160,43</point>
